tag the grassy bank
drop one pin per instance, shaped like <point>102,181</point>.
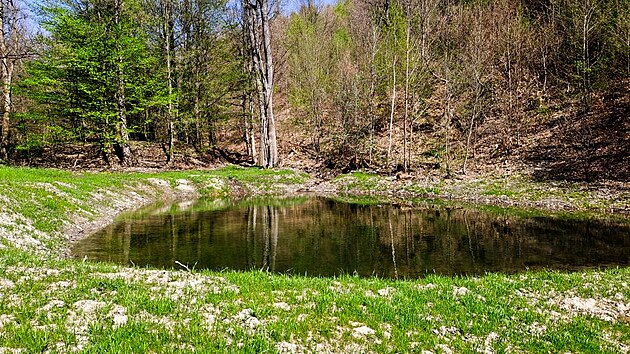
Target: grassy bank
<point>603,198</point>
<point>51,304</point>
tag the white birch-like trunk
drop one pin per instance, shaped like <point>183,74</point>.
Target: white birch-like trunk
<point>391,114</point>
<point>257,22</point>
<point>406,161</point>
<point>7,79</point>
<point>124,149</point>
<point>168,43</point>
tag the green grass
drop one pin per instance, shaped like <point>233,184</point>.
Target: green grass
<point>520,188</point>
<point>51,304</point>
<point>361,199</point>
<point>357,182</point>
<point>423,190</point>
<point>169,311</point>
<point>514,190</point>
<point>260,176</point>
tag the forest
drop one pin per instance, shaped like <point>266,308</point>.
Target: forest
<point>393,86</point>
<point>315,176</point>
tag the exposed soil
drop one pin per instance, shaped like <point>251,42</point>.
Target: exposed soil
<point>591,146</point>
<point>147,157</point>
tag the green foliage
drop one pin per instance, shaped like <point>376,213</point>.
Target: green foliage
<point>484,59</point>
<point>590,56</point>
<point>75,79</point>
<point>342,39</point>
<point>208,64</point>
<point>309,55</point>
<point>391,49</point>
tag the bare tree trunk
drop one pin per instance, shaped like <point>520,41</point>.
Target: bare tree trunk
<point>372,92</point>
<point>123,149</point>
<point>7,79</point>
<point>589,24</point>
<point>7,75</point>
<point>168,43</point>
<point>256,15</point>
<point>391,114</point>
<point>271,143</point>
<point>249,126</point>
<point>406,118</point>
<point>251,24</point>
<point>470,131</point>
<point>197,112</point>
<point>448,112</point>
<point>248,100</point>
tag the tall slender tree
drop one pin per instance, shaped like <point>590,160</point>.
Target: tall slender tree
<point>12,38</point>
<point>256,23</point>
<point>121,146</point>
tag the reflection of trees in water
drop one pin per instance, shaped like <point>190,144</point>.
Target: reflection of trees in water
<point>174,238</point>
<point>322,237</point>
<point>464,240</point>
<point>391,236</point>
<point>261,237</point>
<point>251,233</point>
<point>270,237</point>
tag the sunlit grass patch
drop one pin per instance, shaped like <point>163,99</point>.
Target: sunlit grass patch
<point>359,182</point>
<point>260,175</point>
<point>145,309</point>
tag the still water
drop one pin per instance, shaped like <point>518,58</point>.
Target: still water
<point>322,237</point>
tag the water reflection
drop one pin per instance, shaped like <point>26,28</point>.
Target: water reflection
<point>322,237</point>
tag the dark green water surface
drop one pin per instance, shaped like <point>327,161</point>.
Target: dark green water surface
<point>321,237</point>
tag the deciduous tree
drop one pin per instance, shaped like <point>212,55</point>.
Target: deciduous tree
<point>91,75</point>
<point>256,24</point>
<point>12,50</point>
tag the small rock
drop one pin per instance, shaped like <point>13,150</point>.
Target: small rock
<point>5,320</point>
<point>282,306</point>
<point>118,314</point>
<point>426,287</point>
<point>457,292</point>
<point>6,283</point>
<point>89,306</point>
<point>286,347</point>
<point>247,316</point>
<point>385,292</point>
<point>363,331</point>
<point>54,303</point>
<point>445,349</point>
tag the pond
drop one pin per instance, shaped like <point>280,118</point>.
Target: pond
<point>322,237</point>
